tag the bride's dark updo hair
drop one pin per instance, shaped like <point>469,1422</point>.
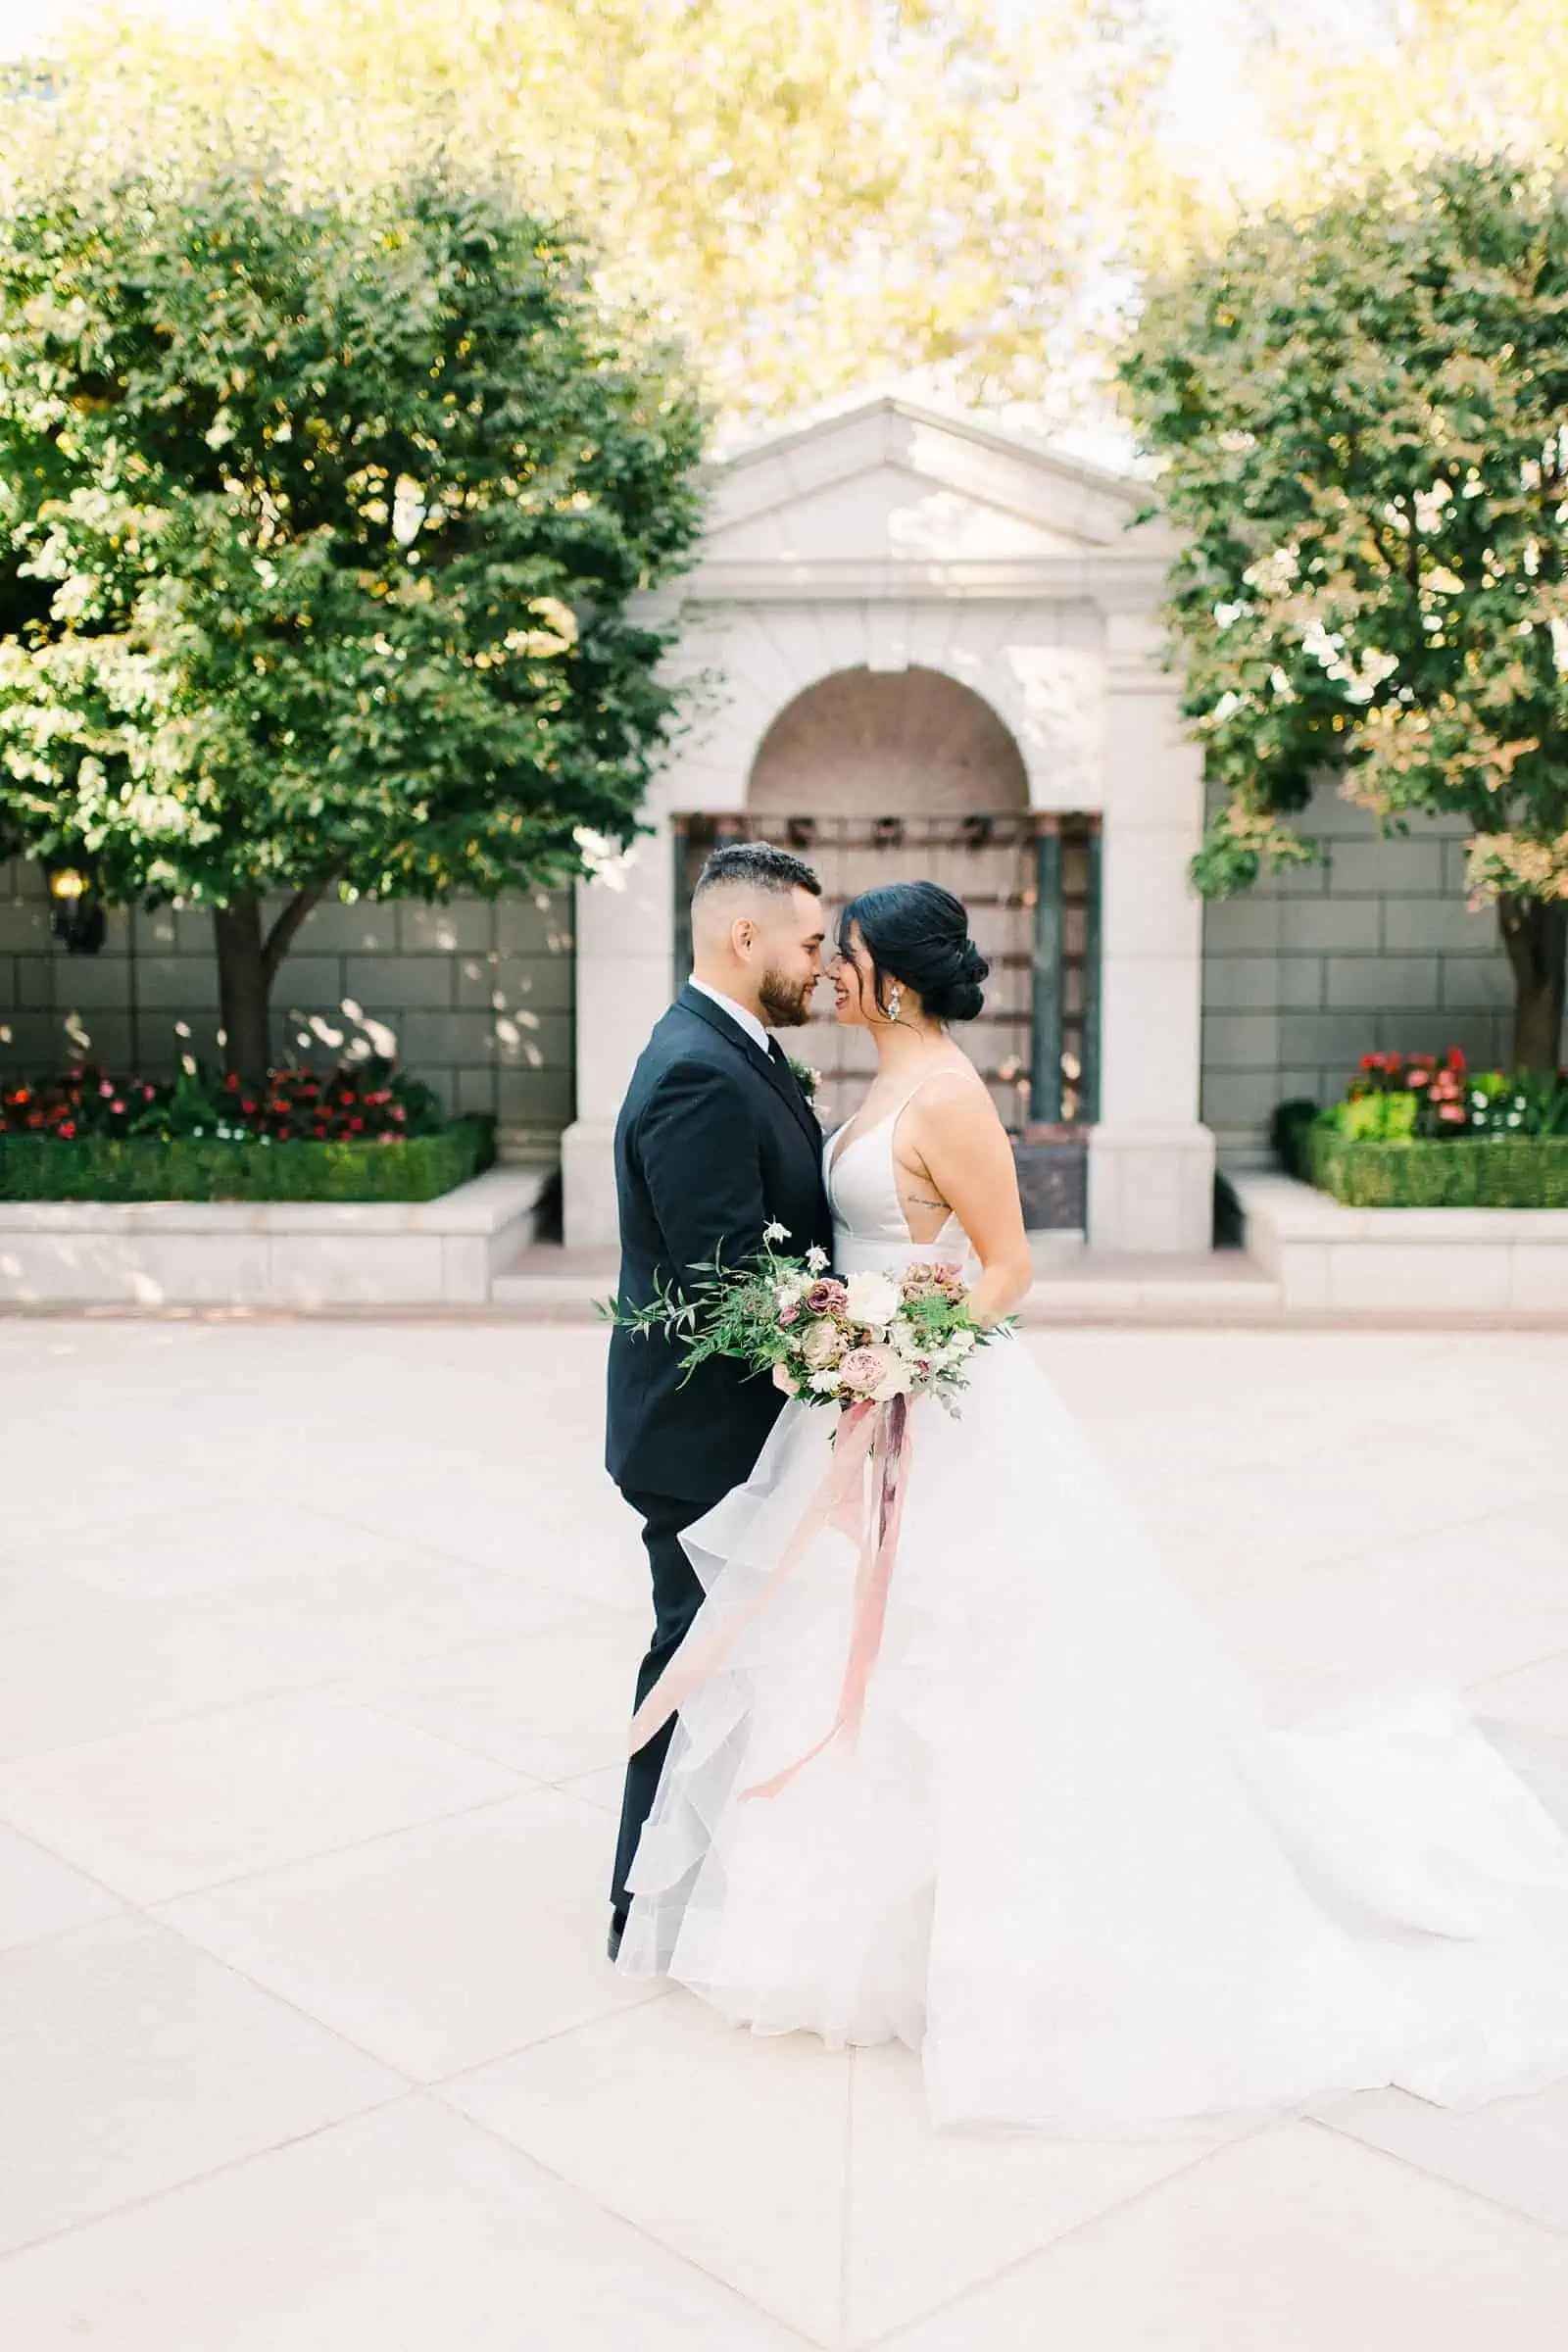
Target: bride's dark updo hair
<point>918,933</point>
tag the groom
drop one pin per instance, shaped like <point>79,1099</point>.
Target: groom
<point>714,1141</point>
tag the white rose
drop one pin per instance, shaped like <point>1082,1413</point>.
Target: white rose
<point>872,1299</point>
<point>823,1345</point>
<point>900,1380</point>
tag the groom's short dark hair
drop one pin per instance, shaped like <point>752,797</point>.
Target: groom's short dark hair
<point>759,863</point>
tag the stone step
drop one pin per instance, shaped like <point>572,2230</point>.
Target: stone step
<point>1074,1284</point>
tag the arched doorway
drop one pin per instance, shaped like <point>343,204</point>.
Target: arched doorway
<point>882,776</point>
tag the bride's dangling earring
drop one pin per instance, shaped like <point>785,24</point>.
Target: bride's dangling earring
<point>894,1000</point>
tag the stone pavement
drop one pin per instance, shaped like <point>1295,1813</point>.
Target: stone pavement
<point>317,1643</point>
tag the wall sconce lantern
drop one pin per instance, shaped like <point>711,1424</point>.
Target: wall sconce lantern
<point>75,910</point>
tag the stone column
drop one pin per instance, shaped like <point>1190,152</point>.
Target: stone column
<point>1150,1162</point>
<point>626,944</point>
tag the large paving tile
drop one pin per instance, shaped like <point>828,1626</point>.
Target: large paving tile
<point>181,1805</point>
<point>40,1895</point>
<point>181,1546</point>
<point>1456,1607</point>
<point>932,2214</point>
<point>79,1664</point>
<point>442,1947</point>
<point>399,2232</point>
<point>730,2149</point>
<point>76,1664</point>
<point>1534,1695</point>
<point>602,1788</point>
<point>1513,2150</point>
<point>131,2061</point>
<point>1297,2241</point>
<point>548,1514</point>
<point>553,1704</point>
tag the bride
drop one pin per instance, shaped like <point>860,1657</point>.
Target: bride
<point>1067,1859</point>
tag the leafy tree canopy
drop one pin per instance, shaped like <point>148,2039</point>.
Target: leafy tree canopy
<point>320,517</point>
<point>1390,84</point>
<point>1361,418</point>
<point>800,188</point>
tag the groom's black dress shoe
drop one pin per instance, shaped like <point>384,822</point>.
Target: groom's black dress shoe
<point>618,1928</point>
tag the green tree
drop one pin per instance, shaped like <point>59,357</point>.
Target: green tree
<point>319,518</point>
<point>1361,419</point>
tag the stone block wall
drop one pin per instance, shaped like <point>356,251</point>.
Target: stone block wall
<point>1374,949</point>
<point>476,997</point>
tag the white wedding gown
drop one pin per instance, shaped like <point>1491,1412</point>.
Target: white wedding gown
<point>1069,1860</point>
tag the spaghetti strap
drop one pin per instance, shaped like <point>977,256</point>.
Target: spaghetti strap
<point>968,1074</point>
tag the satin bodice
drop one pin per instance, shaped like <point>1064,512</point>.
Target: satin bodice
<point>870,1230</point>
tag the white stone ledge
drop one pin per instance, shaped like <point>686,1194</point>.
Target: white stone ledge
<point>269,1252</point>
<point>1325,1256</point>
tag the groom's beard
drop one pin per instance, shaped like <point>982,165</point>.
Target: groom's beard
<point>785,1004</point>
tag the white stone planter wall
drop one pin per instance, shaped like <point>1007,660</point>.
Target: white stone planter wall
<point>269,1253</point>
<point>1325,1256</point>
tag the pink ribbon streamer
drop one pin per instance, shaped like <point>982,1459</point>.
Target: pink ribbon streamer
<point>879,1434</point>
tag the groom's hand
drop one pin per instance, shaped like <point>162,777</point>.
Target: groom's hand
<point>698,1145</point>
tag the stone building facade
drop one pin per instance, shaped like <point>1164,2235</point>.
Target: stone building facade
<point>1374,949</point>
<point>918,645</point>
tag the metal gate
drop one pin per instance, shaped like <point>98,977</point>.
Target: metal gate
<point>1031,883</point>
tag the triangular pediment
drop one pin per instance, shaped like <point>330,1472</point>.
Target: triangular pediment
<point>893,481</point>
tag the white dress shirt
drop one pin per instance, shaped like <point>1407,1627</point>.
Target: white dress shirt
<point>749,1021</point>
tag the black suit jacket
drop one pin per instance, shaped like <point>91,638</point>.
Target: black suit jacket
<point>713,1142</point>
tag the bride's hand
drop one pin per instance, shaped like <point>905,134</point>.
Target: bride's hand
<point>965,1149</point>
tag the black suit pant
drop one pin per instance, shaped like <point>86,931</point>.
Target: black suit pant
<point>677,1597</point>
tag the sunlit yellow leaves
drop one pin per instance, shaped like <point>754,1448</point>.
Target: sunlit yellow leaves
<point>809,193</point>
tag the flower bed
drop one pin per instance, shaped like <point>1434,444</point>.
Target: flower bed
<point>1416,1131</point>
<point>419,1168</point>
<point>355,1134</point>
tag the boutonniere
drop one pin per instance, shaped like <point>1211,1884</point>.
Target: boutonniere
<point>805,1078</point>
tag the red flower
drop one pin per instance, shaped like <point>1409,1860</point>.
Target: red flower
<point>68,1128</point>
<point>1456,1060</point>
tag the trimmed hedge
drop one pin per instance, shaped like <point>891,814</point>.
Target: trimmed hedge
<point>101,1167</point>
<point>1466,1172</point>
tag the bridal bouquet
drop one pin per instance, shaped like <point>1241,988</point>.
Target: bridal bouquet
<point>866,1345</point>
<point>861,1341</point>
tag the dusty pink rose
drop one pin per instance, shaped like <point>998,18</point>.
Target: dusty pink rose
<point>826,1298</point>
<point>789,1314</point>
<point>865,1369</point>
<point>782,1380</point>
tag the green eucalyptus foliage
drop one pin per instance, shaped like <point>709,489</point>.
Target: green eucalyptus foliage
<point>1364,418</point>
<point>319,518</point>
